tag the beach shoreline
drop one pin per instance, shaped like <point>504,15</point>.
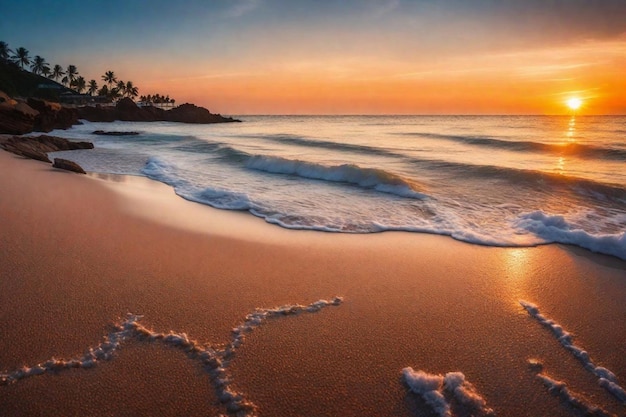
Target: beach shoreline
<point>79,253</point>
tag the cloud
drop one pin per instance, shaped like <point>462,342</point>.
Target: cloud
<point>242,7</point>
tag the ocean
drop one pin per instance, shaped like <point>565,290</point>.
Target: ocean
<point>509,181</point>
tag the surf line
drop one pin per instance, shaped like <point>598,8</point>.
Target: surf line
<point>215,360</point>
<point>606,378</point>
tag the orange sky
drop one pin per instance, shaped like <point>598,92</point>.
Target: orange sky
<point>535,81</point>
<point>349,57</point>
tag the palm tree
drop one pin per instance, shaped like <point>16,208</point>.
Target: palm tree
<point>5,52</point>
<point>79,84</point>
<point>45,71</point>
<point>115,93</point>
<point>121,88</point>
<point>38,65</point>
<point>20,57</point>
<point>104,91</point>
<point>57,72</point>
<point>71,73</point>
<point>109,78</point>
<point>93,87</point>
<point>130,90</point>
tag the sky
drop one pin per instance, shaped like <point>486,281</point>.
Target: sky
<point>239,57</point>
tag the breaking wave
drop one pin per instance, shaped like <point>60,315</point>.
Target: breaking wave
<point>551,228</point>
<point>371,178</point>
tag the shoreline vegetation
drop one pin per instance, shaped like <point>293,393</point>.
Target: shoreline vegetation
<point>34,100</point>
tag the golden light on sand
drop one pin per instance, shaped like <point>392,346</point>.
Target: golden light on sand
<point>574,103</point>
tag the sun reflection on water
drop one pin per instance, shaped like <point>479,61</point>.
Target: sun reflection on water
<point>571,129</point>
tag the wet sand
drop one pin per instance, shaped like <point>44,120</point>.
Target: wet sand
<point>80,252</point>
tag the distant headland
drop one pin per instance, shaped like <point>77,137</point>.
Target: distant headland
<point>35,100</point>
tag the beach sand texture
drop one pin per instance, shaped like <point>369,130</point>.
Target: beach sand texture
<point>78,253</point>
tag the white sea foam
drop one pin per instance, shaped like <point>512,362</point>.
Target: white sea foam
<point>557,229</point>
<point>429,387</point>
<point>466,394</point>
<point>377,179</point>
<point>560,389</point>
<point>432,387</point>
<point>214,359</point>
<point>606,378</point>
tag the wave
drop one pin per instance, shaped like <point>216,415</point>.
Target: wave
<point>556,229</point>
<point>317,143</point>
<point>532,178</point>
<point>371,178</point>
<point>569,148</point>
<point>170,174</point>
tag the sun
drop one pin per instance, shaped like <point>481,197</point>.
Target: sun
<point>574,103</point>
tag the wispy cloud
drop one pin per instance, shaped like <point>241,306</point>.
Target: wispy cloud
<point>242,7</point>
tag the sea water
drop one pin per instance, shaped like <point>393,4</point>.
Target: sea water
<point>490,180</point>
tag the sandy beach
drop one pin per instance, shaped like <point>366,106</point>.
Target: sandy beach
<point>78,253</point>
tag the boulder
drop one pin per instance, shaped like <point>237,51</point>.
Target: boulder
<point>38,147</point>
<point>52,115</point>
<point>97,113</point>
<point>27,150</point>
<point>190,113</point>
<point>16,118</point>
<point>4,98</point>
<point>68,165</point>
<point>127,110</point>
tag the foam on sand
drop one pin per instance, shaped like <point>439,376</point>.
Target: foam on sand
<point>606,378</point>
<point>214,359</point>
<point>432,387</point>
<point>560,389</point>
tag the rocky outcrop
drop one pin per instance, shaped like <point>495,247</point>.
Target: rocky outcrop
<point>16,118</point>
<point>38,147</point>
<point>68,165</point>
<point>52,115</point>
<point>189,113</point>
<point>127,110</point>
<point>98,113</point>
<point>19,117</point>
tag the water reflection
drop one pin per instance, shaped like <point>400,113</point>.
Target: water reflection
<point>571,129</point>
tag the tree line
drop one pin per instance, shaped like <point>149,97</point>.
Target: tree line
<point>111,88</point>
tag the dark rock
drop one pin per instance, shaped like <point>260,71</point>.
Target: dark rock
<point>38,147</point>
<point>52,115</point>
<point>127,110</point>
<point>68,165</point>
<point>156,113</point>
<point>97,113</point>
<point>16,118</point>
<point>113,133</point>
<point>26,150</point>
<point>189,113</point>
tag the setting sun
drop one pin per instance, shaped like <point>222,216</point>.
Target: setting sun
<point>574,103</point>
